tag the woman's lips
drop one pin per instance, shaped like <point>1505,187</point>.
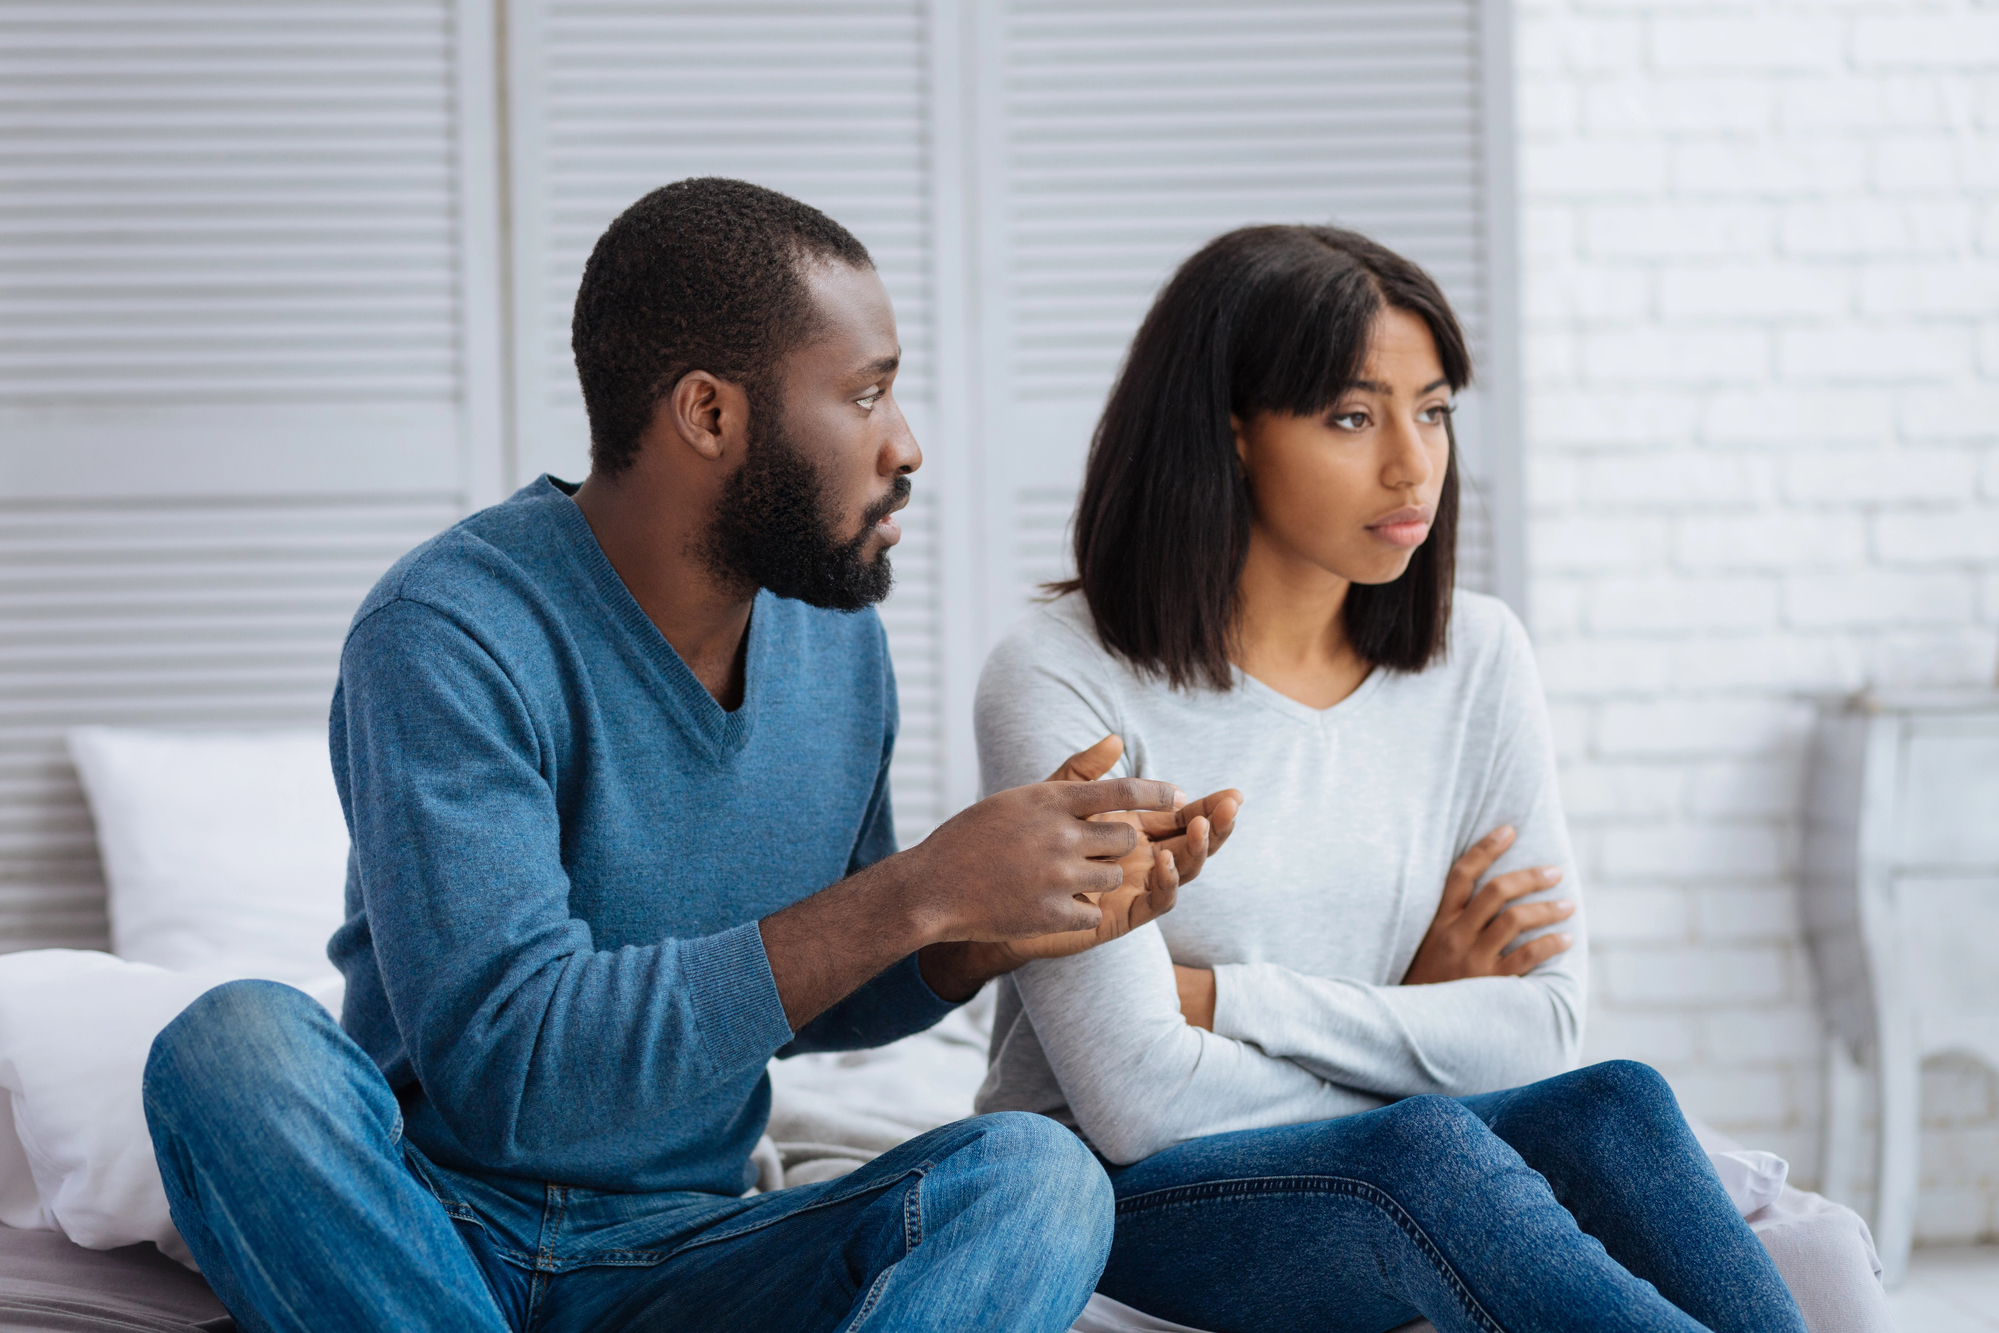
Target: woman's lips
<point>1404,527</point>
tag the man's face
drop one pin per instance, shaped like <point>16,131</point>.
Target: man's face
<point>810,513</point>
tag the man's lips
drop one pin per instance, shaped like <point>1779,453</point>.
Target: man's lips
<point>887,527</point>
<point>1405,527</point>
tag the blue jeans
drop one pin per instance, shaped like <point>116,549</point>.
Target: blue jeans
<point>1581,1203</point>
<point>281,1148</point>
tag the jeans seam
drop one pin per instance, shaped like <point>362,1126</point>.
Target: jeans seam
<point>912,1236</point>
<point>1361,1189</point>
<point>719,1234</point>
<point>873,1298</point>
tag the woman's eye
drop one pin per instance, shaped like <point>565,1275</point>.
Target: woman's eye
<point>1351,421</point>
<point>1436,414</point>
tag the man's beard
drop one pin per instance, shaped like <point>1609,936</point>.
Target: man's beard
<point>772,530</point>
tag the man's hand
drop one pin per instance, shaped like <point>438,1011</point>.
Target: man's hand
<point>1026,862</point>
<point>1471,931</point>
<point>1171,849</point>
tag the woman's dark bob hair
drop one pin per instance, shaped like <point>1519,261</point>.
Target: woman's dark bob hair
<point>1265,319</point>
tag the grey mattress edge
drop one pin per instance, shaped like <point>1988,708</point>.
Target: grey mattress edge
<point>49,1284</point>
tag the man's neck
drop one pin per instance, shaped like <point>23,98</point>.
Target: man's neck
<point>655,545</point>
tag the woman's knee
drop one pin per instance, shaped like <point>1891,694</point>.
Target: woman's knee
<point>1624,1091</point>
<point>1399,1147</point>
<point>1425,1124</point>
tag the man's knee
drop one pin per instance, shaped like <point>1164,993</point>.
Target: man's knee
<point>1044,1170</point>
<point>241,1039</point>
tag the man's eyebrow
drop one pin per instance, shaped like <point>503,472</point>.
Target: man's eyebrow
<point>882,365</point>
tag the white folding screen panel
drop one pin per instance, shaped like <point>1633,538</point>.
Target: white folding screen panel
<point>1117,136</point>
<point>234,278</point>
<point>826,102</point>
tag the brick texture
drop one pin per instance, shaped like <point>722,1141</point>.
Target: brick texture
<point>1761,250</point>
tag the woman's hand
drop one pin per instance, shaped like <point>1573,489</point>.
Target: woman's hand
<point>1471,931</point>
<point>1172,848</point>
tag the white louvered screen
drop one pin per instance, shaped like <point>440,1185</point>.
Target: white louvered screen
<point>824,102</point>
<point>1131,131</point>
<point>251,266</point>
<point>231,378</point>
<point>160,613</point>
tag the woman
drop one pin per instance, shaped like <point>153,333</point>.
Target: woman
<point>1296,1078</point>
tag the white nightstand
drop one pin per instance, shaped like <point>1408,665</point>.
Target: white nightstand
<point>1901,904</point>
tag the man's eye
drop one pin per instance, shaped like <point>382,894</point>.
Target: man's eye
<point>869,399</point>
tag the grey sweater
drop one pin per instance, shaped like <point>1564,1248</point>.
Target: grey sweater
<point>1352,817</point>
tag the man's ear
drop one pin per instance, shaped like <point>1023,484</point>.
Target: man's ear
<point>706,413</point>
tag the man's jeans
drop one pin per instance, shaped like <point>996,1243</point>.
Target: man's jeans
<point>1580,1204</point>
<point>281,1148</point>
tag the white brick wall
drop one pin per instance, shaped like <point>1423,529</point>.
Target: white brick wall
<point>1762,306</point>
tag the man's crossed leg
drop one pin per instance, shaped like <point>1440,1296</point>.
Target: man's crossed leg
<point>282,1152</point>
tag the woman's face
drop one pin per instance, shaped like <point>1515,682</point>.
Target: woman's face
<point>1354,489</point>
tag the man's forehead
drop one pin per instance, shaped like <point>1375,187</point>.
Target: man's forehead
<point>856,320</point>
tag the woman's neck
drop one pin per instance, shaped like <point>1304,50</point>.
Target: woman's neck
<point>1292,636</point>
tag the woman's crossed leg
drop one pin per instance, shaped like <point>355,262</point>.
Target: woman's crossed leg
<point>1420,1208</point>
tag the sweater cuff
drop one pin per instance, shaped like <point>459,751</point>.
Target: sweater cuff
<point>736,1006</point>
<point>907,985</point>
<point>1237,1001</point>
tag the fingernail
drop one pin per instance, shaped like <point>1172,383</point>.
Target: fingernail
<point>1550,873</point>
<point>1503,832</point>
<point>1566,908</point>
<point>1566,939</point>
<point>1179,798</point>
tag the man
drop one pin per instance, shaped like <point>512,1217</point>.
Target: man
<point>615,762</point>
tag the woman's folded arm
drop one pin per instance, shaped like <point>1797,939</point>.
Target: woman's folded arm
<point>1455,1038</point>
<point>1137,1076</point>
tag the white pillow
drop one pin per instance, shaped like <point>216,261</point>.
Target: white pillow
<point>223,851</point>
<point>76,1027</point>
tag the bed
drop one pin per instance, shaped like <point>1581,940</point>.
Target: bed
<point>200,834</point>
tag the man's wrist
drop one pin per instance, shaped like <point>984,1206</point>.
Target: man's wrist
<point>898,904</point>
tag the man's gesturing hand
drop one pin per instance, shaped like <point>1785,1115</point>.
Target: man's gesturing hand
<point>1032,860</point>
<point>1046,860</point>
<point>1170,850</point>
<point>1471,931</point>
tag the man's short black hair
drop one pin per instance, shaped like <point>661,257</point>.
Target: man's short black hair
<point>702,274</point>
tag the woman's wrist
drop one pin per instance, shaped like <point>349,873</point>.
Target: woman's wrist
<point>956,970</point>
<point>1197,995</point>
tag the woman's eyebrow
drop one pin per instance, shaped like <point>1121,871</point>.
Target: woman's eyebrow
<point>1376,386</point>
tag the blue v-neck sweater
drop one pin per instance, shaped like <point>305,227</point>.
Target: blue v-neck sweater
<point>562,845</point>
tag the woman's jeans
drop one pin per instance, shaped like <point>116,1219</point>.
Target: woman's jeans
<point>1579,1203</point>
<point>281,1148</point>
